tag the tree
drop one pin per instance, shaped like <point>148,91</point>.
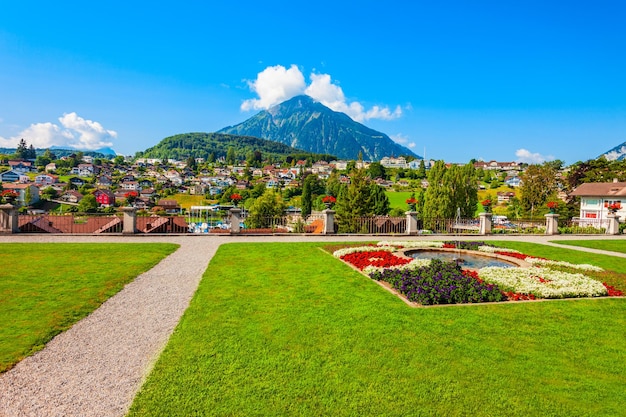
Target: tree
<point>88,204</point>
<point>22,150</point>
<point>354,201</point>
<point>307,196</point>
<point>48,193</point>
<point>230,156</point>
<point>28,196</point>
<point>264,208</point>
<point>421,172</point>
<point>31,153</point>
<point>437,198</point>
<point>376,170</point>
<point>191,163</point>
<point>449,190</point>
<point>538,184</point>
<point>380,201</point>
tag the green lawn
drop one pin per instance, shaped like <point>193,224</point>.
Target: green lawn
<point>48,287</point>
<point>397,199</point>
<point>610,245</point>
<point>311,337</point>
<point>188,200</point>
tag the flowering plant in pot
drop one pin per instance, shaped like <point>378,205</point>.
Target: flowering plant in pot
<point>235,198</point>
<point>614,207</point>
<point>412,202</point>
<point>486,205</point>
<point>552,205</point>
<point>9,196</point>
<point>329,200</point>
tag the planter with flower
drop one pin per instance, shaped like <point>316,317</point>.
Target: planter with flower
<point>131,196</point>
<point>412,202</point>
<point>552,206</point>
<point>329,200</point>
<point>235,198</point>
<point>9,196</point>
<point>486,205</point>
<point>614,207</point>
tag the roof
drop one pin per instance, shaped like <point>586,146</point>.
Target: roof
<point>600,189</point>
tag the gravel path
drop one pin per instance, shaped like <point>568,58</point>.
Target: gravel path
<point>97,366</point>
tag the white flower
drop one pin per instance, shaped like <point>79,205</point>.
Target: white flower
<point>414,264</point>
<point>584,267</point>
<point>491,249</point>
<point>342,252</point>
<point>555,284</point>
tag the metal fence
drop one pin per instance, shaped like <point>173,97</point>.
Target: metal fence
<point>93,223</point>
<point>584,226</point>
<point>71,223</point>
<point>313,223</point>
<point>220,222</point>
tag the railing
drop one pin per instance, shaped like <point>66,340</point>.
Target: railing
<point>71,223</point>
<point>216,222</point>
<point>372,225</point>
<point>283,224</point>
<point>584,226</point>
<point>525,226</point>
<point>208,222</point>
<point>93,223</point>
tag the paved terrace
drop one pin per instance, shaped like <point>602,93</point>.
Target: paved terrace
<point>97,366</point>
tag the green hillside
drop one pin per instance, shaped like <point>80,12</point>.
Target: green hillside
<point>216,145</point>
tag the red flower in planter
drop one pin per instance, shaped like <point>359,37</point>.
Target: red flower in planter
<point>329,199</point>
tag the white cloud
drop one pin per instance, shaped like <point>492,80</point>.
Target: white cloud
<point>74,132</point>
<point>403,140</point>
<point>276,84</point>
<point>525,156</point>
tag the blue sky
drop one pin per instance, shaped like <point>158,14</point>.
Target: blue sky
<point>531,81</point>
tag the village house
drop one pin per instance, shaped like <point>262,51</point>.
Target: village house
<point>104,198</point>
<point>391,162</point>
<point>23,191</point>
<point>71,196</point>
<point>46,179</point>
<point>21,167</point>
<point>505,196</point>
<point>169,206</point>
<point>596,198</point>
<point>10,176</point>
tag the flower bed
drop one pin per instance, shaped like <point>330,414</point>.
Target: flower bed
<point>439,283</point>
<point>436,282</point>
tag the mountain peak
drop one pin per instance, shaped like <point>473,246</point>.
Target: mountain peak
<point>304,123</point>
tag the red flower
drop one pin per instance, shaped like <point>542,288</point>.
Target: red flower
<point>486,202</point>
<point>380,258</point>
<point>329,199</point>
<point>612,291</point>
<point>235,197</point>
<point>411,200</point>
<point>552,205</point>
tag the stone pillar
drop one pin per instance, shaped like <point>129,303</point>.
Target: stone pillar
<point>485,223</point>
<point>613,226</point>
<point>235,219</point>
<point>329,221</point>
<point>411,223</point>
<point>8,219</point>
<point>552,224</point>
<point>130,221</point>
